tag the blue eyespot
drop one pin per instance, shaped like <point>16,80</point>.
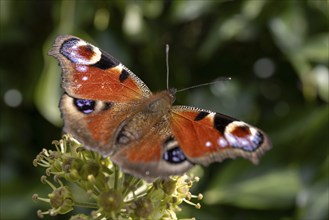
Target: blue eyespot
<point>84,105</point>
<point>174,155</point>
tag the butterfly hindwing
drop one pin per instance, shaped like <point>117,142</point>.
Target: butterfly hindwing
<point>94,123</point>
<point>206,136</point>
<point>156,155</point>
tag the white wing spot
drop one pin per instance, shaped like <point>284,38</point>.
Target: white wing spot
<point>120,66</point>
<point>208,144</point>
<point>222,142</point>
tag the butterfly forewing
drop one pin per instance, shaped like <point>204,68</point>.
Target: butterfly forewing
<point>206,137</point>
<point>89,73</point>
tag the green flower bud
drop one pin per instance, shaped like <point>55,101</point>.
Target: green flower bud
<point>110,202</point>
<point>169,186</point>
<point>89,168</point>
<point>144,208</point>
<point>61,200</point>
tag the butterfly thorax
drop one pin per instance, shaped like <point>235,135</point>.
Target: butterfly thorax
<point>150,114</point>
<point>161,102</point>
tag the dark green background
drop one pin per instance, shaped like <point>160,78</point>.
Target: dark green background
<point>208,39</point>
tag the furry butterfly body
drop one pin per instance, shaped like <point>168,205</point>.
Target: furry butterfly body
<point>110,110</point>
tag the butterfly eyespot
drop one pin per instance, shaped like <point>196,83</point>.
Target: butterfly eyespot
<point>84,105</point>
<point>240,135</point>
<point>79,52</point>
<point>174,155</point>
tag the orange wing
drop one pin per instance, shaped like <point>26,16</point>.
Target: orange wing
<point>90,73</point>
<point>206,137</point>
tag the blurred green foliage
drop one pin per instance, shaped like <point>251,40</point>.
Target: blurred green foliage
<point>275,51</point>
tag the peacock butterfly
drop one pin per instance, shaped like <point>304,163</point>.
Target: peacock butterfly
<point>109,109</point>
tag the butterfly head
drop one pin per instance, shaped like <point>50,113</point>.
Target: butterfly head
<point>162,102</point>
<point>172,94</point>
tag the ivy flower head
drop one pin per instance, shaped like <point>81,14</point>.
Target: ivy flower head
<point>109,192</point>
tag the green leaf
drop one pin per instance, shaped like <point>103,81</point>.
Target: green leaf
<point>273,189</point>
<point>316,48</point>
<point>314,201</point>
<point>184,11</point>
<point>289,29</point>
<point>47,93</point>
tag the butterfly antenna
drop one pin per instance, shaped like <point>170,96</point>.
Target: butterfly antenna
<point>167,64</point>
<point>220,79</point>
